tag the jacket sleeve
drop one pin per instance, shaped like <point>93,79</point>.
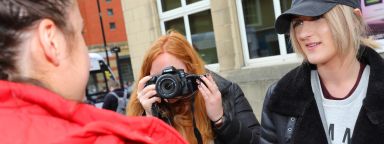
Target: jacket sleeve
<point>240,124</point>
<point>268,130</point>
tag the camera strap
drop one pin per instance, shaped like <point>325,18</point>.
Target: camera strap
<point>155,110</point>
<point>156,113</point>
<point>195,129</point>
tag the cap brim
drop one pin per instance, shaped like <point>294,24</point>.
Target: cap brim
<point>305,8</point>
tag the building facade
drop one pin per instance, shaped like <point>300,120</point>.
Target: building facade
<point>114,30</point>
<point>236,38</point>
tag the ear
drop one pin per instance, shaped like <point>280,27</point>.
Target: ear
<point>49,38</point>
<point>357,12</point>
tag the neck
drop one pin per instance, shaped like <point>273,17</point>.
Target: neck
<point>339,75</point>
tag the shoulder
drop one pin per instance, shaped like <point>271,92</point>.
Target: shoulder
<point>221,82</point>
<point>23,125</point>
<point>292,92</point>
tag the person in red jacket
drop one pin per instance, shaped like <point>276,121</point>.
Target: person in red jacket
<point>43,74</point>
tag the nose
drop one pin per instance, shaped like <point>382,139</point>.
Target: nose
<point>305,31</point>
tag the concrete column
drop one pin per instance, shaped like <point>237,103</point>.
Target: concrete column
<point>227,34</point>
<point>142,26</point>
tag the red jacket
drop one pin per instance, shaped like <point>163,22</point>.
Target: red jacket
<point>30,114</point>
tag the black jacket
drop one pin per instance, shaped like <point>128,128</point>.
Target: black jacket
<point>290,114</point>
<point>111,102</point>
<point>240,125</point>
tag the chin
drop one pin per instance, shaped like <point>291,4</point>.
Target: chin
<point>312,61</point>
<point>316,62</point>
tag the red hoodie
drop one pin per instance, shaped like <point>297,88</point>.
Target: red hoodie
<point>33,115</point>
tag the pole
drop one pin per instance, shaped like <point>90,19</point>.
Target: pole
<point>102,32</point>
<point>116,50</point>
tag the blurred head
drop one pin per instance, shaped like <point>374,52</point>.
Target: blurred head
<point>174,50</point>
<point>41,43</point>
<point>336,26</point>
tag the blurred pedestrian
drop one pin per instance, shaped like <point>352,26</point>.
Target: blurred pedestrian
<point>117,99</point>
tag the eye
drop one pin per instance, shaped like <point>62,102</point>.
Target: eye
<point>297,22</point>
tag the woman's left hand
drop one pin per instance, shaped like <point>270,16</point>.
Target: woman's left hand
<point>212,98</point>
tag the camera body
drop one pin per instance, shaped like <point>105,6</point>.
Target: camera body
<point>174,82</point>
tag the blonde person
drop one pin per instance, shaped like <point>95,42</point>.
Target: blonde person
<point>44,67</point>
<point>219,114</point>
<point>336,95</point>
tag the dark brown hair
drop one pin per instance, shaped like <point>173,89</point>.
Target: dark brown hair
<point>18,15</point>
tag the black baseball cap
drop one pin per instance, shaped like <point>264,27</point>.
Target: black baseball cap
<point>309,8</point>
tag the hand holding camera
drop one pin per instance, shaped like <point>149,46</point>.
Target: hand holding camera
<point>175,83</point>
<point>212,99</point>
<point>145,95</point>
<point>172,83</point>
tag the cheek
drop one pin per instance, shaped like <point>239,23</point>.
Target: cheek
<point>80,58</point>
<point>326,33</point>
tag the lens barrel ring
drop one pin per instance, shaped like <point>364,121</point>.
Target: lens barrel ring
<point>168,86</point>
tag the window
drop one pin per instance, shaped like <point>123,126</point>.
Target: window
<point>193,19</point>
<point>110,12</point>
<point>170,4</point>
<point>108,1</point>
<point>176,24</point>
<point>261,44</point>
<point>203,38</point>
<point>112,26</point>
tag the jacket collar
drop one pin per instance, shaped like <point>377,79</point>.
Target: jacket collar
<point>293,93</point>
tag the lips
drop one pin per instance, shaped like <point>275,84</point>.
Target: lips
<point>312,45</point>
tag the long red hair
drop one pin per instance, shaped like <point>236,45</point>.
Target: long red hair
<point>175,44</point>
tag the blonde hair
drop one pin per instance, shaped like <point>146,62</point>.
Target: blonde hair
<point>348,31</point>
<point>175,44</point>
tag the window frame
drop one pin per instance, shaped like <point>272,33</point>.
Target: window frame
<point>183,12</point>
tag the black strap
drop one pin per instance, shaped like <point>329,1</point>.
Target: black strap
<point>195,129</point>
<point>156,113</point>
<point>155,110</point>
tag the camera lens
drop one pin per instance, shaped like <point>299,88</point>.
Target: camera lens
<point>168,86</point>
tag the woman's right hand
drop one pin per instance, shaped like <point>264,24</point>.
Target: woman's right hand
<point>146,95</point>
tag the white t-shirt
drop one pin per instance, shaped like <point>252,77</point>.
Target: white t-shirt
<point>341,115</point>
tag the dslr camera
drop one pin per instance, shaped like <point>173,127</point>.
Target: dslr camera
<point>174,82</point>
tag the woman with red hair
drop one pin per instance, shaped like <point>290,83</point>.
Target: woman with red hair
<point>216,111</point>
